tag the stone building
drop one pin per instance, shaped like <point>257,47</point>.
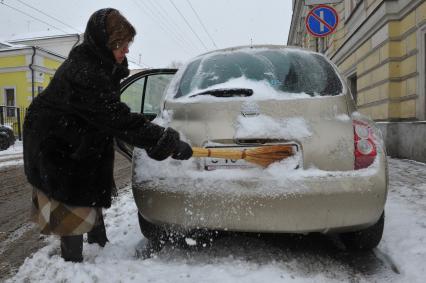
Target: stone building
<point>380,48</point>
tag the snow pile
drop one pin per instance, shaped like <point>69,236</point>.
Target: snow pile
<point>15,149</point>
<point>277,179</point>
<point>11,163</point>
<point>271,128</point>
<point>12,156</point>
<point>405,219</point>
<point>343,117</point>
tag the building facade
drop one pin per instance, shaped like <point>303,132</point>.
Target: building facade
<point>24,72</point>
<point>380,48</point>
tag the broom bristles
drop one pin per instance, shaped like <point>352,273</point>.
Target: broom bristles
<point>263,155</point>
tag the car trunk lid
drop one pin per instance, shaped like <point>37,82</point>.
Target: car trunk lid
<point>319,126</point>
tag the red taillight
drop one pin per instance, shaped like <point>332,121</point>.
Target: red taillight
<point>365,146</point>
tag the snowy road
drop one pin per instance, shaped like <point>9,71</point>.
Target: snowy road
<point>400,257</point>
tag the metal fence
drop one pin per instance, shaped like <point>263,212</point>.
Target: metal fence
<point>13,117</point>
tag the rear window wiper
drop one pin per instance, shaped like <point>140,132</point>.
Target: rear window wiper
<point>226,92</point>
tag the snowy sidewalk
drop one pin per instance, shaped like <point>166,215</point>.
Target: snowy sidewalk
<point>12,156</point>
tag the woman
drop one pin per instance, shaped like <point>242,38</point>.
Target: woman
<point>69,130</point>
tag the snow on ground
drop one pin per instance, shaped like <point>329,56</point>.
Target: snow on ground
<point>12,150</point>
<point>11,163</point>
<point>405,221</point>
<point>12,156</point>
<point>249,259</point>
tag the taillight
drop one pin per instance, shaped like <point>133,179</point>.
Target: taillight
<point>365,146</point>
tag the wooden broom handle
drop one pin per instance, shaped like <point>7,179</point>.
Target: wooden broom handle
<point>218,153</point>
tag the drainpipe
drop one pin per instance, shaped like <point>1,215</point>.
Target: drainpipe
<point>32,71</point>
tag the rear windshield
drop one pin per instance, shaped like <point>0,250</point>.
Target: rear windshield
<point>287,71</point>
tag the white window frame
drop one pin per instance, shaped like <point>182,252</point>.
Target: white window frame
<point>421,70</point>
<point>5,97</point>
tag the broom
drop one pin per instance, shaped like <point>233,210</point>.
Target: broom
<point>263,155</point>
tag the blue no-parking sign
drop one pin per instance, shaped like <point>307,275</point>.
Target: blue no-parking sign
<point>321,20</point>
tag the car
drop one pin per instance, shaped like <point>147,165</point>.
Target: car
<point>249,99</point>
<point>7,138</point>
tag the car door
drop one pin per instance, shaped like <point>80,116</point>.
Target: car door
<point>143,93</point>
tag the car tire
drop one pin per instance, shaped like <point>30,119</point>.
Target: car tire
<point>366,239</point>
<point>151,231</point>
<point>4,141</point>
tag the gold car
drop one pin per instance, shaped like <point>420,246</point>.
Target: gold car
<point>250,98</point>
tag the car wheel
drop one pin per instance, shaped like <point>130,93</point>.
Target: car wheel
<point>4,141</point>
<point>366,239</point>
<point>151,231</point>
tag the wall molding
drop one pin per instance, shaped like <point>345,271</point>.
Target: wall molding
<point>388,100</point>
<point>388,60</point>
<point>27,69</point>
<point>389,80</point>
<point>379,17</point>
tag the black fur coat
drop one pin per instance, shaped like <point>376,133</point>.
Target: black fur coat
<point>69,128</point>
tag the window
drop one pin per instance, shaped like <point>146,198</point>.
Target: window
<point>9,97</point>
<point>146,92</point>
<point>133,94</point>
<point>352,82</point>
<point>286,71</point>
<point>154,92</point>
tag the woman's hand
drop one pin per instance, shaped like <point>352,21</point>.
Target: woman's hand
<point>183,151</point>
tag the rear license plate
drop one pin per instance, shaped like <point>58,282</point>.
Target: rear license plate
<point>221,163</point>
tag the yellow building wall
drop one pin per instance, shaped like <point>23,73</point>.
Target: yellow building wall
<point>386,70</point>
<point>19,81</point>
<point>51,64</point>
<point>386,75</point>
<point>12,61</point>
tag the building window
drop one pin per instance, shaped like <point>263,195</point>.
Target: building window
<point>352,82</point>
<point>350,6</point>
<point>9,97</point>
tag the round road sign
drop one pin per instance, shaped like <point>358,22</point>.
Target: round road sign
<point>321,20</point>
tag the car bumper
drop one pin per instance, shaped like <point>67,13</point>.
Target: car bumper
<point>311,204</point>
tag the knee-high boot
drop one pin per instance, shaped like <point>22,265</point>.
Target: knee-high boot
<point>72,248</point>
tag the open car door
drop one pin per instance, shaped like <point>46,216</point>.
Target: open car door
<point>143,93</point>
